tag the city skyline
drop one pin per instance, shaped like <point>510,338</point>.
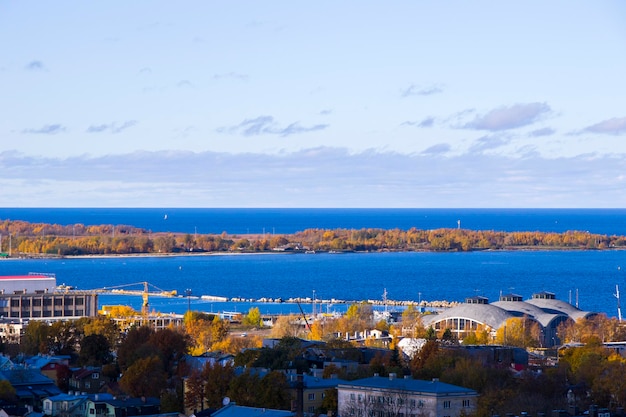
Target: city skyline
<point>413,104</point>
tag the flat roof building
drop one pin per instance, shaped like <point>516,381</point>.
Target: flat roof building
<point>404,396</point>
<point>35,296</point>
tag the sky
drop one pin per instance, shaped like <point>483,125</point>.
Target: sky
<point>414,104</point>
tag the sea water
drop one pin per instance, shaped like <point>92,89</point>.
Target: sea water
<point>587,279</point>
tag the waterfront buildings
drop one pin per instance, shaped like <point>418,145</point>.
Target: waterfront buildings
<point>478,314</point>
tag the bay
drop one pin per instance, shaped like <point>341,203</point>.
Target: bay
<point>585,278</point>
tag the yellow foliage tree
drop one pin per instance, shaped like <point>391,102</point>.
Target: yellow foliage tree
<point>520,332</point>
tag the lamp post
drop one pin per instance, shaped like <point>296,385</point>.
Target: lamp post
<point>188,294</point>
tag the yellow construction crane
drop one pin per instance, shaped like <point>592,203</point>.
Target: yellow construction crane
<point>144,292</point>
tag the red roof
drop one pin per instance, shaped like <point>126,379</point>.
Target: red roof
<point>25,277</point>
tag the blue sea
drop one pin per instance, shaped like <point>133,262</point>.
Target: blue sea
<point>287,221</point>
<point>584,278</point>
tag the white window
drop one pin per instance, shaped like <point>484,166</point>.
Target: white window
<point>446,404</point>
<point>312,396</point>
<point>466,403</point>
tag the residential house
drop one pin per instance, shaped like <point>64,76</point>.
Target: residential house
<point>11,330</point>
<point>198,363</point>
<point>377,396</point>
<point>5,362</point>
<point>7,410</point>
<point>311,391</point>
<point>31,387</point>
<point>105,407</point>
<point>49,365</point>
<point>65,405</point>
<point>87,380</point>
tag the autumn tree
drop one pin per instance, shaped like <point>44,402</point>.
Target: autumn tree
<point>171,344</point>
<point>286,326</point>
<point>35,338</point>
<point>100,325</point>
<point>206,332</point>
<point>520,332</point>
<point>411,322</point>
<point>598,326</point>
<point>144,378</point>
<point>253,318</point>
<point>135,346</point>
<point>195,391</point>
<point>7,392</point>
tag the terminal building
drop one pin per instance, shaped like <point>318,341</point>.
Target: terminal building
<point>477,313</point>
<point>35,296</point>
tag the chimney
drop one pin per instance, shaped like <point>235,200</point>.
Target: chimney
<point>300,395</point>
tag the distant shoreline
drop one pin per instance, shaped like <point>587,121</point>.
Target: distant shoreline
<point>261,253</point>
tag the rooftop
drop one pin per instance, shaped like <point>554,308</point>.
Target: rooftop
<point>434,387</point>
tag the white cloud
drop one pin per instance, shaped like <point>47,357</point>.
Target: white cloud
<point>489,142</point>
<point>232,75</point>
<point>266,125</point>
<point>318,177</point>
<point>614,126</point>
<point>113,127</point>
<point>439,149</point>
<point>414,90</point>
<point>546,131</point>
<point>504,118</point>
<point>52,129</point>
<point>35,65</point>
<point>426,122</point>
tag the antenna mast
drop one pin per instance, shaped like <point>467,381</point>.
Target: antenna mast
<point>619,308</point>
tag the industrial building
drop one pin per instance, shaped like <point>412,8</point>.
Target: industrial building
<point>35,296</point>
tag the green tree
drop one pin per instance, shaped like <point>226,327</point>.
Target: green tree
<point>63,338</point>
<point>218,378</point>
<point>171,403</point>
<point>274,391</point>
<point>94,351</point>
<point>243,388</point>
<point>329,402</point>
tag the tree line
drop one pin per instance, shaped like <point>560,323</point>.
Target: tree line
<point>21,237</point>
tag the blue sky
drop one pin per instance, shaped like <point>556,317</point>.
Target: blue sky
<point>318,104</point>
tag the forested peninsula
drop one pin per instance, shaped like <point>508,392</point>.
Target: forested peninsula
<point>23,239</point>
